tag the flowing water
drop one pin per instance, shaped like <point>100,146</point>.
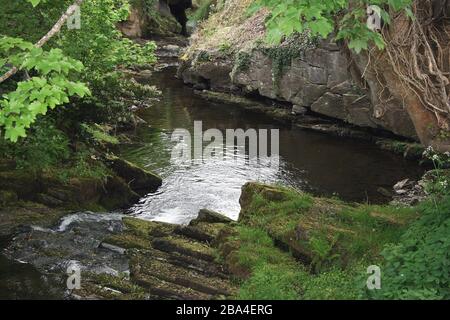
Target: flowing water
<point>309,161</point>
<point>313,162</point>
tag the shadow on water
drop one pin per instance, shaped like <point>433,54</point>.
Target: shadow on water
<point>321,164</point>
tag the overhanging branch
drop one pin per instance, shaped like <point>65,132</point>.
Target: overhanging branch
<point>54,30</point>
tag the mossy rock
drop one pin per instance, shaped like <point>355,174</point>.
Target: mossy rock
<point>184,246</point>
<point>8,198</point>
<point>117,194</point>
<point>140,180</point>
<point>138,233</point>
<point>201,231</point>
<point>109,287</point>
<point>321,232</point>
<point>146,267</point>
<point>145,228</point>
<point>210,216</point>
<point>26,214</point>
<point>24,184</point>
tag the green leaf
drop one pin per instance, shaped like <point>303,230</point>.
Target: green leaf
<point>34,2</point>
<point>14,133</point>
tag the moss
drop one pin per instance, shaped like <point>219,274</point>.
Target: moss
<point>110,287</point>
<point>322,232</point>
<point>129,241</point>
<point>138,233</point>
<point>282,55</point>
<point>193,248</point>
<point>144,228</point>
<point>28,213</point>
<point>324,241</point>
<point>241,63</point>
<point>408,150</point>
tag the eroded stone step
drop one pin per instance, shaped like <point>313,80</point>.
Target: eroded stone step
<point>201,231</point>
<point>159,289</point>
<point>185,247</point>
<point>210,269</point>
<point>160,268</point>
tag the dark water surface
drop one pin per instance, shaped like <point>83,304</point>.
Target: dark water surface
<point>309,161</point>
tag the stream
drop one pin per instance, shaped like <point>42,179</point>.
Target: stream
<point>309,161</point>
<point>313,162</point>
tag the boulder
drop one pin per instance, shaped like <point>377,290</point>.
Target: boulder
<point>140,180</point>
<point>209,216</point>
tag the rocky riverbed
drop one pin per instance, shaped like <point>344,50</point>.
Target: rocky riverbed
<point>123,257</point>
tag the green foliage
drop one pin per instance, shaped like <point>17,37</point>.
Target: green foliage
<point>98,45</point>
<point>84,164</point>
<point>334,284</point>
<point>439,178</point>
<point>275,274</point>
<point>347,18</point>
<point>50,87</point>
<point>272,282</point>
<point>242,63</point>
<point>282,56</point>
<point>45,147</point>
<point>99,134</point>
<point>418,266</point>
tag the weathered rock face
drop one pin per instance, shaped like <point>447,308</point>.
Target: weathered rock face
<point>121,189</point>
<point>135,26</point>
<point>128,258</point>
<point>317,79</point>
<point>145,22</point>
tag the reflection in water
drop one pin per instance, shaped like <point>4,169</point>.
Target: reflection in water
<point>309,161</point>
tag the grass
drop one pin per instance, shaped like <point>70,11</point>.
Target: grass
<point>99,134</point>
<point>82,165</point>
<point>275,274</point>
<point>337,242</point>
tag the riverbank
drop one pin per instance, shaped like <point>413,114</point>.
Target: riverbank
<point>303,81</point>
<point>289,245</point>
<point>286,244</point>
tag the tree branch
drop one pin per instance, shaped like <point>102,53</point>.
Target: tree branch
<point>54,30</point>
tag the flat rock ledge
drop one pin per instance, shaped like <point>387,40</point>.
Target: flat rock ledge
<point>166,262</point>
